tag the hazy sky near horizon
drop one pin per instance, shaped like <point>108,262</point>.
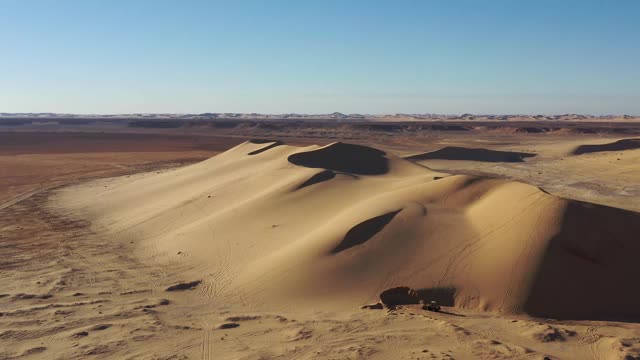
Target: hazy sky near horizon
<point>275,56</point>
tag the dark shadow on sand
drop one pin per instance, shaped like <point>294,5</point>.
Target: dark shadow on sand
<point>347,158</point>
<point>364,231</point>
<point>472,154</point>
<point>620,145</point>
<point>442,295</point>
<point>270,146</point>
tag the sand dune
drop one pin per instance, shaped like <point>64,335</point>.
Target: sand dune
<point>472,154</point>
<point>269,224</point>
<point>620,145</point>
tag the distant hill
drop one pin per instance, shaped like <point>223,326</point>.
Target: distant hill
<point>332,116</point>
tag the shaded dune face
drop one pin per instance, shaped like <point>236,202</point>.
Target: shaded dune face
<point>268,147</point>
<point>364,231</point>
<point>404,295</point>
<point>324,175</point>
<point>262,141</point>
<point>590,271</point>
<point>620,145</point>
<point>475,154</point>
<point>347,158</point>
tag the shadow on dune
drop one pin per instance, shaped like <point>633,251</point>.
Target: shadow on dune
<point>364,231</point>
<point>270,146</point>
<point>590,271</point>
<point>620,145</point>
<point>347,158</point>
<point>399,295</point>
<point>472,154</point>
<point>324,175</point>
<point>261,141</point>
<point>443,295</point>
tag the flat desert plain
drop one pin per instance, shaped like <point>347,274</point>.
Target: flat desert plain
<point>259,244</point>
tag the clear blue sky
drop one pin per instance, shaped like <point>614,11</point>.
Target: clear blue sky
<point>370,56</point>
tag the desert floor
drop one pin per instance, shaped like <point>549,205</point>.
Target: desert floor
<point>70,291</point>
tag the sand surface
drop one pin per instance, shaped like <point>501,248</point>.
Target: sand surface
<point>594,170</point>
<point>268,250</point>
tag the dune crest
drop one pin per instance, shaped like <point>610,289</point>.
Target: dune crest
<point>272,228</point>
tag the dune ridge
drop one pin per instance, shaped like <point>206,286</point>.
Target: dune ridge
<point>334,226</point>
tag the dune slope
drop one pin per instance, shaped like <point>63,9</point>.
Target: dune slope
<point>333,226</point>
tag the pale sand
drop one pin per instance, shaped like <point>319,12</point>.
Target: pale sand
<point>289,242</point>
<point>604,176</point>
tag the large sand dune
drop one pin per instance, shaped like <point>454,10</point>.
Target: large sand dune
<point>270,224</point>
